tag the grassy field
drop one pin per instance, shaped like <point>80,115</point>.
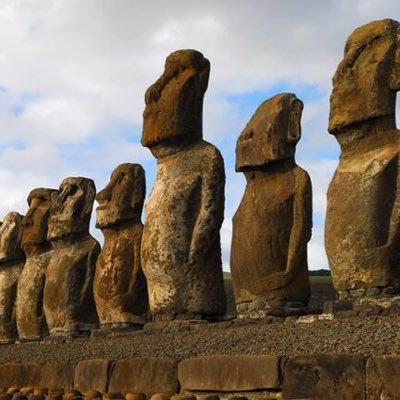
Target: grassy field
<point>321,291</point>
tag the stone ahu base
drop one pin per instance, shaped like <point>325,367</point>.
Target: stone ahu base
<point>324,356</point>
<point>319,376</point>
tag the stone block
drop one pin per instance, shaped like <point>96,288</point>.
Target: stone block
<point>229,373</point>
<point>324,377</point>
<point>92,375</point>
<point>57,375</point>
<point>147,375</point>
<point>383,378</point>
<point>20,374</point>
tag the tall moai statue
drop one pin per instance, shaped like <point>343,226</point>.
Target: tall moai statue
<point>362,234</point>
<point>31,322</point>
<point>272,226</point>
<point>12,260</point>
<point>181,251</point>
<point>68,293</point>
<point>120,289</point>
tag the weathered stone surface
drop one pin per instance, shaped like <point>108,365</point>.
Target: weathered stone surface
<point>12,261</point>
<point>383,378</point>
<point>92,375</point>
<point>365,188</point>
<point>20,374</point>
<point>183,396</point>
<point>31,322</point>
<point>229,373</point>
<point>55,376</point>
<point>147,375</point>
<point>68,294</point>
<point>72,394</point>
<point>273,223</point>
<point>160,396</point>
<point>324,377</point>
<point>135,396</point>
<point>113,396</point>
<point>181,251</point>
<point>93,394</point>
<point>120,289</point>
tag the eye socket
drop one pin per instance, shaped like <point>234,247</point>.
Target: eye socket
<point>73,190</point>
<point>248,134</point>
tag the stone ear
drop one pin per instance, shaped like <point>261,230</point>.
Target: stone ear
<point>394,79</point>
<point>90,196</point>
<point>139,191</point>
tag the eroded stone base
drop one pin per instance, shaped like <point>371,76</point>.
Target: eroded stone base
<point>260,309</point>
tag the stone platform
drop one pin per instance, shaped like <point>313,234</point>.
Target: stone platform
<point>313,357</point>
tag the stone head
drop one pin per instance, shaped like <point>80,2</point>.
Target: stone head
<point>72,209</point>
<point>368,77</point>
<point>174,103</point>
<point>122,199</point>
<point>271,134</point>
<point>10,237</point>
<point>35,221</point>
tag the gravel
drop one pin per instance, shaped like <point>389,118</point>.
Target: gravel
<point>377,335</point>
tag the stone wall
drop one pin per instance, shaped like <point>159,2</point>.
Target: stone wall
<point>318,376</point>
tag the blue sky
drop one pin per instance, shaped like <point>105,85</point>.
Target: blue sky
<point>73,76</point>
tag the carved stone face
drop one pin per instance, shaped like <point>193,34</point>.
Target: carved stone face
<point>35,222</point>
<point>122,199</point>
<point>174,103</point>
<point>271,134</point>
<point>366,80</point>
<point>72,209</point>
<point>10,237</point>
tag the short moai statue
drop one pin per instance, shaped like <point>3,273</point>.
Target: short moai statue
<point>362,231</point>
<point>31,322</point>
<point>68,293</point>
<point>120,289</point>
<point>12,260</point>
<point>181,250</point>
<point>272,226</point>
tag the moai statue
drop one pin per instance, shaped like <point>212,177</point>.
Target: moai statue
<point>272,226</point>
<point>181,251</point>
<point>31,322</point>
<point>362,233</point>
<point>12,261</point>
<point>68,293</point>
<point>120,289</point>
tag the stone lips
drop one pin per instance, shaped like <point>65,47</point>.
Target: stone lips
<point>362,230</point>
<point>68,294</point>
<point>12,261</point>
<point>31,322</point>
<point>273,223</point>
<point>181,251</point>
<point>120,289</point>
